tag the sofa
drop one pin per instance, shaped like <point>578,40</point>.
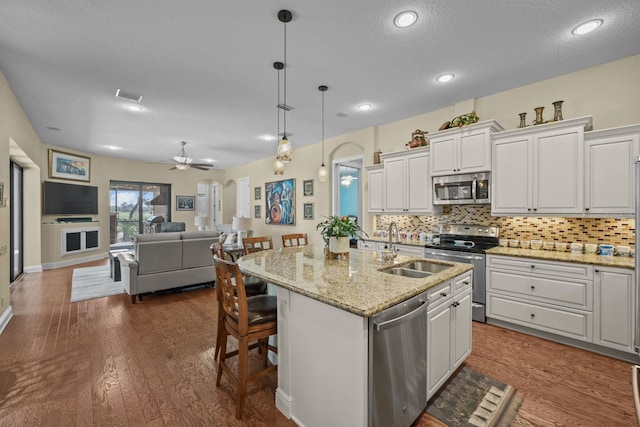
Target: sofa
<point>167,260</point>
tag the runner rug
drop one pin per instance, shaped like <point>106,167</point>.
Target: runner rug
<point>472,399</point>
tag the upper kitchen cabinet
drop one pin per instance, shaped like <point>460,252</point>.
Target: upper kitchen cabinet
<point>407,187</point>
<point>376,188</point>
<point>463,150</point>
<point>539,170</point>
<point>609,172</point>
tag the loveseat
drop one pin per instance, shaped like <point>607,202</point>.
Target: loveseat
<point>167,260</point>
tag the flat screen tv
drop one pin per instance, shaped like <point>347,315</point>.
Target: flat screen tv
<point>69,199</point>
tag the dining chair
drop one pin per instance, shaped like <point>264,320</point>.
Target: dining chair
<point>253,286</point>
<point>256,244</point>
<point>296,239</point>
<point>248,320</point>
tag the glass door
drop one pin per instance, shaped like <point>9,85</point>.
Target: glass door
<point>16,219</point>
<point>137,208</point>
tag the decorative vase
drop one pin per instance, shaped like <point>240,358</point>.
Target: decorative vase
<point>539,119</point>
<point>339,245</point>
<point>557,112</point>
<point>523,121</point>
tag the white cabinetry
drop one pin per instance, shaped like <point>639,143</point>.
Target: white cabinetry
<point>409,250</point>
<point>448,330</point>
<point>615,296</point>
<point>376,188</point>
<point>371,245</point>
<point>545,295</point>
<point>609,179</point>
<point>539,170</point>
<point>406,183</point>
<point>462,150</point>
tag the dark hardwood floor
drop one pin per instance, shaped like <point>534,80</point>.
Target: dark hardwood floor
<point>108,362</point>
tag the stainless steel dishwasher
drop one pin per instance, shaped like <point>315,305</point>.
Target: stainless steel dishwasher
<point>398,363</point>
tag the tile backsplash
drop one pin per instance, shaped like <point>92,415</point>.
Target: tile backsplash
<point>585,230</point>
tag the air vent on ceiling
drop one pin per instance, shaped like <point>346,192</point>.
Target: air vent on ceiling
<point>129,96</point>
<point>284,107</point>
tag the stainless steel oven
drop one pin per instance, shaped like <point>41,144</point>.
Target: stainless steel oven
<point>462,189</point>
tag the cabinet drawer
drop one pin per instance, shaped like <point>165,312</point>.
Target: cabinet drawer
<point>463,282</point>
<point>439,294</point>
<point>368,245</point>
<point>569,323</point>
<point>536,266</point>
<point>410,250</point>
<point>566,293</point>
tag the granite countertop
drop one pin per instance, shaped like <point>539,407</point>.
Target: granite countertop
<point>577,257</point>
<point>356,285</point>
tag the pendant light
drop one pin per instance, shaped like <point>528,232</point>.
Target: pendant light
<point>278,166</point>
<point>285,149</point>
<point>323,173</point>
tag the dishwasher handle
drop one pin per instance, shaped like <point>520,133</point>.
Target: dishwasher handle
<point>468,257</point>
<point>401,319</point>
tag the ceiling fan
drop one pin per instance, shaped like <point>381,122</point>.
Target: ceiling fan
<point>183,162</point>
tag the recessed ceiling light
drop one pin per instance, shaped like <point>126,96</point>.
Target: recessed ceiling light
<point>445,78</point>
<point>405,19</point>
<point>131,107</point>
<point>587,27</point>
<point>267,137</point>
<point>208,160</point>
<point>112,147</point>
<point>365,107</point>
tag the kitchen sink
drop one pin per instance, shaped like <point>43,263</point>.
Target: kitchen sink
<point>426,266</point>
<point>406,272</point>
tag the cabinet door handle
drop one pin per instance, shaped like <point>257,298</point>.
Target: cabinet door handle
<point>466,282</point>
<point>529,209</point>
<point>533,266</point>
<point>586,209</point>
<point>597,271</point>
<point>535,209</point>
<point>533,287</point>
<point>533,315</point>
<point>444,294</point>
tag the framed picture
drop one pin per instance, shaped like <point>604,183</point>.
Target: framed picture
<point>308,187</point>
<point>280,197</point>
<point>257,193</point>
<point>185,203</point>
<point>308,210</point>
<point>257,211</point>
<point>69,166</point>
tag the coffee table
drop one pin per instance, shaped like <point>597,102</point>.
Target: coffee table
<point>115,263</point>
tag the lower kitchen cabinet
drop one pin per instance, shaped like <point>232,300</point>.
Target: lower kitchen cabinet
<point>614,289</point>
<point>586,303</point>
<point>448,330</point>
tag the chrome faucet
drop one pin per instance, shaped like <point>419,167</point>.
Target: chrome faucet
<point>391,247</point>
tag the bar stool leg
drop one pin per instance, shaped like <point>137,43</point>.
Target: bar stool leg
<point>243,371</point>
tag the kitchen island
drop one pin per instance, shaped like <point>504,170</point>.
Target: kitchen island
<point>324,312</point>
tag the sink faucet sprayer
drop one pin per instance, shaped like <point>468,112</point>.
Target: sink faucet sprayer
<point>391,247</point>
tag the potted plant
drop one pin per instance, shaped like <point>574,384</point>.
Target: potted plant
<point>337,231</point>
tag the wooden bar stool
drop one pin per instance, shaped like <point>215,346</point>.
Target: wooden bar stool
<point>253,286</point>
<point>255,244</point>
<point>246,319</point>
<point>298,239</point>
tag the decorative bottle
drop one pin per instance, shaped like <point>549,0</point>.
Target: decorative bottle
<point>557,113</point>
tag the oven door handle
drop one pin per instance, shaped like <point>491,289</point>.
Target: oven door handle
<point>470,257</point>
<point>473,188</point>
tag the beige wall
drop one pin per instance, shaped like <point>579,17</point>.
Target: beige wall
<point>103,170</point>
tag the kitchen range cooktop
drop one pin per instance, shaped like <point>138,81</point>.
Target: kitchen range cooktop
<point>466,238</point>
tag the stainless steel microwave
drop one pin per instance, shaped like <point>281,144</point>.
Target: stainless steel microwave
<point>466,189</point>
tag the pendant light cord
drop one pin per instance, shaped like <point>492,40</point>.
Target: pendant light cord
<point>323,128</point>
<point>278,109</point>
<point>285,81</point>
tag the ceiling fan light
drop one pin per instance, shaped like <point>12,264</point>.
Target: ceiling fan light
<point>323,173</point>
<point>278,167</point>
<point>285,150</point>
<point>182,167</point>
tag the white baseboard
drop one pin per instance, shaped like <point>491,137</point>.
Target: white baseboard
<point>284,403</point>
<point>33,268</point>
<point>65,263</point>
<point>4,319</point>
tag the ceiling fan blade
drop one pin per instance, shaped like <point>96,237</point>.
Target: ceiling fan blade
<point>203,165</point>
<point>199,167</point>
<point>173,168</point>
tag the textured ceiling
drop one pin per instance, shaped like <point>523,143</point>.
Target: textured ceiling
<point>205,66</point>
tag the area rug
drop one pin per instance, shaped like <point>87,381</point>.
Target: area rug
<point>93,282</point>
<point>472,399</point>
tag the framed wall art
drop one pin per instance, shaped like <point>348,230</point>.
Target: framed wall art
<point>280,197</point>
<point>69,166</point>
<point>257,211</point>
<point>257,193</point>
<point>308,210</point>
<point>308,187</point>
<point>185,203</point>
